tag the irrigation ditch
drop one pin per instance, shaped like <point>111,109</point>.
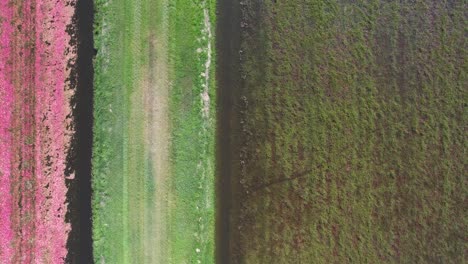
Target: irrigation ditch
<point>79,244</point>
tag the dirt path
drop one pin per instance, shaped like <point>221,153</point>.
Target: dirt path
<point>148,140</point>
<point>157,109</point>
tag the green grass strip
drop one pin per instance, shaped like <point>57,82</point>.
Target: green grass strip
<point>125,200</point>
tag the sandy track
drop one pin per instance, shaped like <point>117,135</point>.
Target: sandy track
<point>149,102</point>
<point>157,94</point>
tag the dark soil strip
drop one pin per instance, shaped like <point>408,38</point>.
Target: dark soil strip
<point>80,246</point>
<point>228,77</point>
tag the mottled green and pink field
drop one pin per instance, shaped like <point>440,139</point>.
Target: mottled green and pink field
<point>35,129</point>
<point>225,131</point>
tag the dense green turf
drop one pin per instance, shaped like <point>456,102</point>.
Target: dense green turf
<point>192,217</point>
<point>124,182</point>
<point>353,141</point>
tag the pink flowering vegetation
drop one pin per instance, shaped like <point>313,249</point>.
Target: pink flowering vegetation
<point>6,101</point>
<point>35,129</point>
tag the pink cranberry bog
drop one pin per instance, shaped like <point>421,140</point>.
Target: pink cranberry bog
<point>35,129</point>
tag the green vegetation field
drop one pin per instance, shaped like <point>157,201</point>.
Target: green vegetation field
<point>353,133</point>
<point>153,154</point>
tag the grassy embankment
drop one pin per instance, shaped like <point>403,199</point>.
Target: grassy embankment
<point>153,146</point>
<point>353,133</point>
<point>192,56</point>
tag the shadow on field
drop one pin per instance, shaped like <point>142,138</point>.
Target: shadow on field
<point>228,77</point>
